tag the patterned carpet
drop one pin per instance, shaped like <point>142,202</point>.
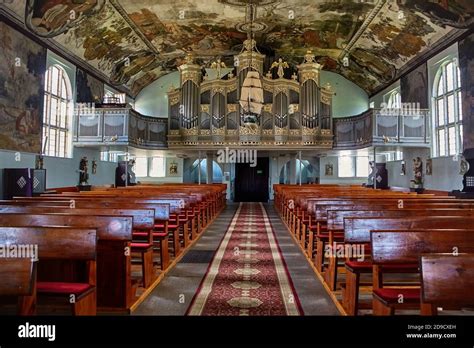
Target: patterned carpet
<point>247,275</point>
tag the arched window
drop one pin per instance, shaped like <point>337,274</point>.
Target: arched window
<point>447,110</point>
<point>394,100</point>
<point>57,111</point>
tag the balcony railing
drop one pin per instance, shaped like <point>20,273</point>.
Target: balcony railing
<point>125,126</point>
<point>382,127</point>
<point>120,126</point>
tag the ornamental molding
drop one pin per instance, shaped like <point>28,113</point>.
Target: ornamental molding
<point>218,131</point>
<point>189,132</point>
<point>281,131</point>
<point>249,130</point>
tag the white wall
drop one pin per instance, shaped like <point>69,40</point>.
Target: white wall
<point>445,171</point>
<point>334,179</point>
<point>168,179</point>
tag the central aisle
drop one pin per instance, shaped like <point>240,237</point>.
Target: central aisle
<point>248,275</point>
<point>244,264</point>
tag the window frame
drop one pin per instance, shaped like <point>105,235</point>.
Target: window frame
<point>444,147</point>
<point>60,146</point>
<point>146,166</point>
<point>394,100</point>
<point>150,165</point>
<point>354,165</point>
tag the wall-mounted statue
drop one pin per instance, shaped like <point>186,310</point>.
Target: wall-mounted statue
<point>417,181</point>
<point>94,167</point>
<point>83,172</point>
<point>373,170</point>
<point>39,162</point>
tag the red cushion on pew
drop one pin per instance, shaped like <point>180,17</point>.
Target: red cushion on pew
<point>172,226</point>
<point>140,234</point>
<point>391,295</point>
<point>359,266</point>
<point>140,245</point>
<point>160,234</point>
<point>366,267</point>
<point>336,236</point>
<point>62,288</point>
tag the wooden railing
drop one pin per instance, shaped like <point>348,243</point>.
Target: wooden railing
<point>120,126</point>
<point>382,127</point>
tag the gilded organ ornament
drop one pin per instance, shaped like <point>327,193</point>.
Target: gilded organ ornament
<point>295,112</point>
<point>280,65</point>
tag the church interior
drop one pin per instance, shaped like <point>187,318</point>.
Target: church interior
<point>237,158</point>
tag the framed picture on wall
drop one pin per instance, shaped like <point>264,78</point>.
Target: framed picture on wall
<point>173,169</point>
<point>329,170</point>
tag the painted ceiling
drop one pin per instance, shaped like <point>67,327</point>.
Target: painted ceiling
<point>134,42</point>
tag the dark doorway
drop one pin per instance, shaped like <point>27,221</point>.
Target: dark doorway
<point>251,183</point>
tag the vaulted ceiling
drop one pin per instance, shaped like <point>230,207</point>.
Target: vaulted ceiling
<point>134,42</point>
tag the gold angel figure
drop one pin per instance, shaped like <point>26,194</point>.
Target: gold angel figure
<point>281,65</point>
<point>218,66</point>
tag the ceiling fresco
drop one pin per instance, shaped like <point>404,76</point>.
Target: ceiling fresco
<point>135,42</point>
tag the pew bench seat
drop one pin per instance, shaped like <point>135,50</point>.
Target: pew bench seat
<point>367,267</point>
<point>67,289</point>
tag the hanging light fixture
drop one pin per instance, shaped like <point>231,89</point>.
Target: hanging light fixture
<point>251,95</point>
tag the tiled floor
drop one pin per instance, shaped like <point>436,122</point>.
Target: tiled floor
<point>174,294</point>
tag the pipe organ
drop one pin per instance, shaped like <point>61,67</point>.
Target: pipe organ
<point>209,111</point>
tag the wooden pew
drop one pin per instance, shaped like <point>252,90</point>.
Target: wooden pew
<point>357,231</point>
<point>335,227</point>
<point>58,244</point>
<point>318,230</point>
<point>114,281</point>
<point>143,220</point>
<point>446,281</point>
<point>406,247</point>
<point>18,278</point>
<point>162,225</point>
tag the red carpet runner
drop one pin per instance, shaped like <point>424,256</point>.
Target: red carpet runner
<point>247,275</point>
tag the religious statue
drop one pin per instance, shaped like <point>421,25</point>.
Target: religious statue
<point>94,167</point>
<point>281,65</point>
<point>218,66</point>
<point>39,162</point>
<point>372,173</point>
<point>309,57</point>
<point>189,58</point>
<point>417,182</point>
<point>83,172</point>
<point>249,44</point>
<point>131,178</point>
